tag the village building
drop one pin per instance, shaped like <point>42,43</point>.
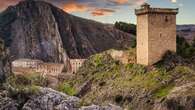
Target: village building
<point>76,64</point>
<point>156,33</point>
<point>25,66</point>
<point>26,63</point>
<point>50,69</point>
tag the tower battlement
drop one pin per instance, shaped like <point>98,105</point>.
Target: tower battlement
<point>146,9</point>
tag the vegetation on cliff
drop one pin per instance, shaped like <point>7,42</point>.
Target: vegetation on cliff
<point>184,48</point>
<point>126,27</point>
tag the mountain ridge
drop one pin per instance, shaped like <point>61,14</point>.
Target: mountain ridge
<point>48,33</point>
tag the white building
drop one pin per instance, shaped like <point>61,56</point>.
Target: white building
<point>26,63</point>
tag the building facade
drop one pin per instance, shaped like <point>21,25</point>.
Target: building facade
<point>76,64</point>
<point>156,33</point>
<point>26,63</point>
<point>25,66</point>
<point>50,69</point>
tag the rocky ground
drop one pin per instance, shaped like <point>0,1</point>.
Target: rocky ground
<point>48,99</point>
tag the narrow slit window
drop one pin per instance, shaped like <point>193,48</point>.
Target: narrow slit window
<point>166,19</point>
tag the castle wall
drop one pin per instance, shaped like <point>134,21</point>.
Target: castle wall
<point>162,36</point>
<point>142,39</point>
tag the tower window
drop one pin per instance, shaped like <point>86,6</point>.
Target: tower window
<point>166,19</point>
<point>160,35</point>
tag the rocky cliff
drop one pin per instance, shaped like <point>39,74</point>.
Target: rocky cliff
<point>36,29</point>
<point>5,66</point>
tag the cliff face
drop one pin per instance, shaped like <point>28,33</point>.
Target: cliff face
<point>36,29</point>
<point>4,62</point>
<point>30,30</point>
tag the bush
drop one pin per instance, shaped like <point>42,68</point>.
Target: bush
<point>136,69</point>
<point>19,84</point>
<point>163,92</point>
<point>126,27</point>
<point>184,49</point>
<point>67,88</point>
<point>37,79</point>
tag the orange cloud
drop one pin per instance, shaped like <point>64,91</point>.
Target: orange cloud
<point>121,1</point>
<point>140,2</point>
<point>75,7</point>
<point>5,3</point>
<point>102,12</point>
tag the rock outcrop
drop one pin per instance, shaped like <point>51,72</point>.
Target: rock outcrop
<point>49,99</point>
<point>5,66</point>
<point>39,30</point>
<point>180,98</point>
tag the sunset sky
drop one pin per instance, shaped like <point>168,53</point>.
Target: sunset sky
<point>109,11</point>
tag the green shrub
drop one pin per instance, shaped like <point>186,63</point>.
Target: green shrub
<point>98,60</point>
<point>164,91</point>
<point>66,88</point>
<point>19,84</point>
<point>126,27</point>
<point>182,70</point>
<point>136,68</point>
<point>184,49</point>
<point>37,79</point>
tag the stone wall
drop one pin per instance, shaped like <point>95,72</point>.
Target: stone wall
<point>142,39</point>
<point>162,36</point>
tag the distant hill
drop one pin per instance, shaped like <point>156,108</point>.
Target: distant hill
<point>37,29</point>
<point>186,31</point>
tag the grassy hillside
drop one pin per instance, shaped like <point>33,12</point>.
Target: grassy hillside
<point>130,85</point>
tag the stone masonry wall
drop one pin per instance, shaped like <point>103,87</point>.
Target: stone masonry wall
<point>162,36</point>
<point>142,39</point>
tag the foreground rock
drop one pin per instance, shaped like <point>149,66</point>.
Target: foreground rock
<point>49,99</point>
<point>96,107</point>
<point>180,98</point>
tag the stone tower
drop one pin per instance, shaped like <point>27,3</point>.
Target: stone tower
<point>156,33</point>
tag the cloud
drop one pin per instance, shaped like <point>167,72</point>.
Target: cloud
<point>93,7</point>
<point>5,3</point>
<point>75,7</point>
<point>173,1</point>
<point>120,1</point>
<point>102,12</point>
<point>139,2</point>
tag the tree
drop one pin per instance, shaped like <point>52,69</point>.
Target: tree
<point>184,48</point>
<point>126,27</point>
